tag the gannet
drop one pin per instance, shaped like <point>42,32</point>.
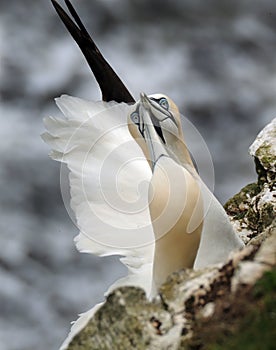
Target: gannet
<point>134,189</point>
<point>175,203</point>
<point>218,238</point>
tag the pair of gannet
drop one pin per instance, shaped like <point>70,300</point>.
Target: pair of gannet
<point>134,189</point>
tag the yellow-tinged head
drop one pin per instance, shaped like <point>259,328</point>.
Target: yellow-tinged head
<point>159,111</point>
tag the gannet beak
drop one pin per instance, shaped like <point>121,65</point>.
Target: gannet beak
<point>112,88</point>
<point>144,99</point>
<point>155,146</point>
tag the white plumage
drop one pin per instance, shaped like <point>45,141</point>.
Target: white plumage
<point>109,179</point>
<point>156,213</point>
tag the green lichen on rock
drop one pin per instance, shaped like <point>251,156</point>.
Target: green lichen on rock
<point>266,156</point>
<point>238,205</point>
<point>127,320</point>
<point>169,291</point>
<point>253,209</point>
<point>250,323</point>
<point>263,150</point>
<point>267,215</point>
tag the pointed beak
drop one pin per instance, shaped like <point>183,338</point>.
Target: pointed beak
<point>145,100</point>
<point>156,110</point>
<point>155,147</point>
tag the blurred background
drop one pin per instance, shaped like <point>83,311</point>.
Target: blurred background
<point>215,58</point>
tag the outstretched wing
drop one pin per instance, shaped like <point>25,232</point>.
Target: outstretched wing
<point>113,89</point>
<point>109,178</point>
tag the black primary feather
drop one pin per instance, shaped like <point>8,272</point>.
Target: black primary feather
<point>112,88</point>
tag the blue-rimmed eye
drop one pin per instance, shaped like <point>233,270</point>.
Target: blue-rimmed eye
<point>163,102</point>
<point>135,118</point>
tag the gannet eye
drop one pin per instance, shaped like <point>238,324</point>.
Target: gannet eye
<point>135,118</point>
<point>163,102</point>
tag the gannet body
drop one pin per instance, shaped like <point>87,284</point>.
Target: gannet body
<point>134,189</point>
<point>175,202</point>
<point>191,227</point>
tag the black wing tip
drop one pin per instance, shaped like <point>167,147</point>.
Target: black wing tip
<point>55,4</point>
<point>76,17</point>
<point>67,2</point>
<point>111,86</point>
<point>73,24</point>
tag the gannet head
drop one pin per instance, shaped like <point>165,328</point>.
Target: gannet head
<point>164,115</point>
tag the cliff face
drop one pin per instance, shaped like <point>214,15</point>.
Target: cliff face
<point>252,210</point>
<point>229,306</point>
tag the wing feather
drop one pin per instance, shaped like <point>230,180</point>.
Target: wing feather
<point>218,237</point>
<point>109,178</point>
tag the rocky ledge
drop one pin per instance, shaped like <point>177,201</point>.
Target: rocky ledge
<point>229,306</point>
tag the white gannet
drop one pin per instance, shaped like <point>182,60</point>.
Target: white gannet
<point>175,201</point>
<point>218,238</point>
<point>134,189</point>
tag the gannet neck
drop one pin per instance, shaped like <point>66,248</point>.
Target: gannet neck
<point>176,210</point>
<point>175,203</point>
